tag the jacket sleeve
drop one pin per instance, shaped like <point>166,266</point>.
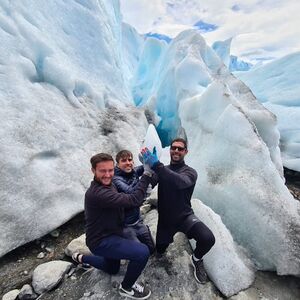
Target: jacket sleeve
<point>108,197</point>
<point>139,170</point>
<point>179,180</point>
<point>123,187</point>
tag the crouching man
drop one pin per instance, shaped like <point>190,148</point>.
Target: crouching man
<point>176,183</point>
<point>104,216</point>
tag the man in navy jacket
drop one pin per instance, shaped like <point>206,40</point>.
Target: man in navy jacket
<point>126,180</point>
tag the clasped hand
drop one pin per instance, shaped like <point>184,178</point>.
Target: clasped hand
<point>149,158</point>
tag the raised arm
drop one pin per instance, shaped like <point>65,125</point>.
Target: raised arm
<point>180,180</point>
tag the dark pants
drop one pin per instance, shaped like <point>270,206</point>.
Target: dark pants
<point>193,228</point>
<point>111,250</point>
<point>140,232</point>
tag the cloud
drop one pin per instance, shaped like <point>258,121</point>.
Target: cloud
<point>271,28</point>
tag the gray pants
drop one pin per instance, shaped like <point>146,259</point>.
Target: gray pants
<point>140,232</point>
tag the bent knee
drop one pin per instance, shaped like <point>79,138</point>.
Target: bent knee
<point>142,253</point>
<point>211,240</point>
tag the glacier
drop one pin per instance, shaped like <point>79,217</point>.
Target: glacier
<point>75,80</point>
<point>234,145</point>
<point>277,86</point>
<point>64,97</point>
<point>226,264</point>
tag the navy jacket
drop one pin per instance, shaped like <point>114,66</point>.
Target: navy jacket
<point>126,183</point>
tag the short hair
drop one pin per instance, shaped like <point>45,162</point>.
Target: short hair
<point>100,157</point>
<point>123,154</point>
<point>181,140</point>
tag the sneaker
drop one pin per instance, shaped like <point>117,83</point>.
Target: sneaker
<point>75,257</point>
<point>199,271</point>
<point>137,291</point>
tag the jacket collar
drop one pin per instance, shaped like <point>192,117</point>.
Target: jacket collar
<point>119,172</point>
<point>177,166</point>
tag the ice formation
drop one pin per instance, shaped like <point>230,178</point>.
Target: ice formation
<point>227,265</point>
<point>64,90</point>
<point>71,74</point>
<point>277,86</point>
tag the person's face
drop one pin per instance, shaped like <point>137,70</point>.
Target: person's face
<point>126,164</point>
<point>177,152</point>
<point>104,172</point>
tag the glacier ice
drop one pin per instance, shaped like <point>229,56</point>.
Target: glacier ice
<point>226,264</point>
<point>239,181</point>
<point>188,68</point>
<point>144,75</point>
<point>184,67</point>
<point>68,71</point>
<point>222,48</point>
<point>64,97</point>
<point>152,140</point>
<point>277,86</point>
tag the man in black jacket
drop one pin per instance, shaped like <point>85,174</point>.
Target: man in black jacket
<point>176,184</point>
<point>104,215</point>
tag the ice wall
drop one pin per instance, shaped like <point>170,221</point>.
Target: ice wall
<point>277,86</point>
<point>238,179</point>
<point>234,146</point>
<point>63,97</point>
<point>186,69</point>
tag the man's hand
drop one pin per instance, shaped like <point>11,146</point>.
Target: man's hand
<point>149,158</point>
<point>147,168</point>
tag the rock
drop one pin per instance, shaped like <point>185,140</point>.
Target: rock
<point>227,266</point>
<point>49,249</point>
<point>41,255</point>
<point>55,233</point>
<point>11,295</point>
<point>145,208</point>
<point>152,199</point>
<point>77,245</point>
<point>46,276</point>
<point>27,293</point>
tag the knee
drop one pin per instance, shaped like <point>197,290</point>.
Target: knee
<point>142,253</point>
<point>209,239</point>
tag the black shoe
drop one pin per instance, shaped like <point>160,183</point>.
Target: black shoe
<point>75,257</point>
<point>137,291</point>
<point>199,271</point>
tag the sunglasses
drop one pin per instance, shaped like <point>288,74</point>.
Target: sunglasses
<point>174,148</point>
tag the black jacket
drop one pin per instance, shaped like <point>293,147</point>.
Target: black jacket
<point>104,209</point>
<point>175,189</point>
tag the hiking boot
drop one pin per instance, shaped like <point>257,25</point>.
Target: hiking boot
<point>137,291</point>
<point>199,271</point>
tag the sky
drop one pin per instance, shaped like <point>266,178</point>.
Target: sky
<point>262,30</point>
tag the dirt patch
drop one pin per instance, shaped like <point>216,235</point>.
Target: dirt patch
<point>17,266</point>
